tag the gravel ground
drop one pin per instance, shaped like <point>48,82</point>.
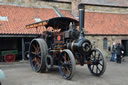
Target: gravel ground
<point>20,73</point>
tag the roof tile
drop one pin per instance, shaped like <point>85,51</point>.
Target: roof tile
<point>106,23</point>
<point>95,23</point>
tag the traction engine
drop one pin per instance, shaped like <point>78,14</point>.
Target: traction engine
<point>63,44</point>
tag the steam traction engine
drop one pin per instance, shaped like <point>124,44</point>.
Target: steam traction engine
<point>64,46</point>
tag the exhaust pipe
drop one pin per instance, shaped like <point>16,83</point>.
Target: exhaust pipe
<point>81,20</point>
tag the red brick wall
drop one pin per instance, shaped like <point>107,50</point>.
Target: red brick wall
<point>75,10</point>
<point>106,23</point>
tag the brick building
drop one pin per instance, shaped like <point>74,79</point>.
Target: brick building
<point>14,37</point>
<point>105,22</point>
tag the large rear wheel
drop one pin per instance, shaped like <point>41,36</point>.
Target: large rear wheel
<point>67,64</point>
<point>98,65</point>
<point>37,52</point>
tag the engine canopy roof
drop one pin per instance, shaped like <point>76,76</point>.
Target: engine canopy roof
<point>56,23</point>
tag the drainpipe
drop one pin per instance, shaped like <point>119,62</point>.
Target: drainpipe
<point>23,49</point>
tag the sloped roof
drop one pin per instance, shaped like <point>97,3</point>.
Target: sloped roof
<point>18,17</point>
<point>95,23</point>
<point>106,23</point>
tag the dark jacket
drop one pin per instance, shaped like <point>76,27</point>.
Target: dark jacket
<point>113,49</point>
<point>118,49</point>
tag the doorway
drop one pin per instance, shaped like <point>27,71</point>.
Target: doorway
<point>125,45</point>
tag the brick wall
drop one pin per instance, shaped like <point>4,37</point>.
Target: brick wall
<point>42,4</point>
<point>75,10</point>
<point>97,41</point>
<point>36,3</point>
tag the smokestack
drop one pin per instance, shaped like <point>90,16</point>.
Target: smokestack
<point>81,16</point>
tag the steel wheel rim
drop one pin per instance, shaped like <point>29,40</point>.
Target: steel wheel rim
<point>98,63</point>
<point>35,55</point>
<point>65,65</point>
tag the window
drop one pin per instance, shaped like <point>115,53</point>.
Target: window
<point>105,43</point>
<point>3,18</point>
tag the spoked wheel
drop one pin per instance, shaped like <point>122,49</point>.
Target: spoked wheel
<point>98,65</point>
<point>67,64</point>
<point>37,52</point>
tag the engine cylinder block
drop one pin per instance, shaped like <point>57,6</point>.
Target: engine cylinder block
<point>80,45</point>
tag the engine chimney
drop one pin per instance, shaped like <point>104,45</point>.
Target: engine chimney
<point>81,19</point>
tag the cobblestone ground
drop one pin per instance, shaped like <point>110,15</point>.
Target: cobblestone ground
<point>21,74</point>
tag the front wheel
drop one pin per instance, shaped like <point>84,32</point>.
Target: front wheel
<point>98,65</point>
<point>37,53</point>
<point>67,64</point>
